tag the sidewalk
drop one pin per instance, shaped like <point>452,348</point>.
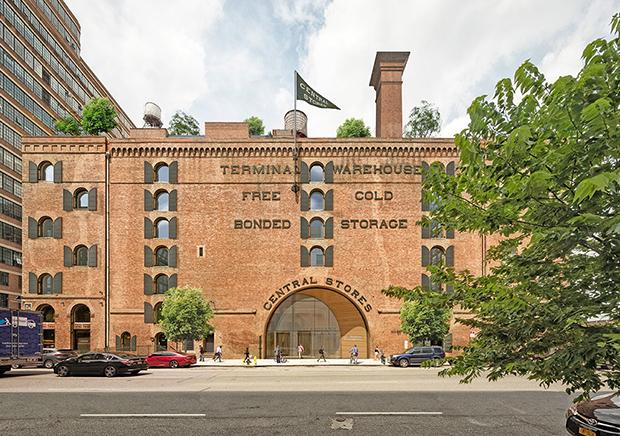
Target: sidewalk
<point>309,361</point>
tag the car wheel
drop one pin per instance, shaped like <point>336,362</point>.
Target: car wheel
<point>49,364</point>
<point>174,364</point>
<point>16,366</point>
<point>109,371</point>
<point>63,371</point>
<point>403,363</point>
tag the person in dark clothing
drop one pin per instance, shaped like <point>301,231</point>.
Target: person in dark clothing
<point>321,355</point>
<point>246,356</point>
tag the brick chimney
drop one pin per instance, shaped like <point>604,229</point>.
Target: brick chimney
<point>386,78</point>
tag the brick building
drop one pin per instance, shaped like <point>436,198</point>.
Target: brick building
<point>128,218</point>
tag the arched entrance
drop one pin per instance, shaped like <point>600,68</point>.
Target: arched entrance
<point>161,343</point>
<point>316,318</point>
<point>80,328</point>
<point>48,315</point>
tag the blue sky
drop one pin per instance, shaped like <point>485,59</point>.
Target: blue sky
<point>224,60</point>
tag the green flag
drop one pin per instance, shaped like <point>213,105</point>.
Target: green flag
<point>305,93</point>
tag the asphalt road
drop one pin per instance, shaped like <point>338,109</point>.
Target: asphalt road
<point>48,405</point>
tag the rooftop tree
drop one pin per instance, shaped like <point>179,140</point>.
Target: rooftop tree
<point>257,127</point>
<point>353,128</point>
<point>543,173</point>
<point>182,124</point>
<point>98,116</point>
<point>424,121</point>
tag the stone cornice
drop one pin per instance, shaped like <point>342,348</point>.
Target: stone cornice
<point>193,147</point>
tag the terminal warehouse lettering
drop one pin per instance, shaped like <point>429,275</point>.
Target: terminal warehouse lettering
<point>345,169</point>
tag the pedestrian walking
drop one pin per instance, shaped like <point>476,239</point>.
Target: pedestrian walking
<point>201,353</point>
<point>278,354</point>
<point>217,357</point>
<point>376,353</point>
<point>246,356</point>
<point>321,355</point>
<point>300,351</point>
<point>354,353</point>
<point>382,357</point>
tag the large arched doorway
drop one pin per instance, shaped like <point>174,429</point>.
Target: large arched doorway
<point>316,318</point>
<point>161,343</point>
<point>80,328</point>
<point>48,314</point>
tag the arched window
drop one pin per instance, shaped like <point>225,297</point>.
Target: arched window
<point>317,201</point>
<point>45,284</point>
<point>317,173</point>
<point>46,172</point>
<point>80,255</point>
<point>125,341</point>
<point>45,227</point>
<point>438,255</point>
<point>162,173</point>
<point>80,199</point>
<point>161,256</point>
<point>436,230</point>
<point>81,313</point>
<point>47,313</point>
<point>317,228</point>
<point>157,312</point>
<point>161,283</point>
<point>317,256</point>
<point>162,201</point>
<point>162,228</point>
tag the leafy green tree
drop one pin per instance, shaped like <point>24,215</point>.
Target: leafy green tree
<point>424,121</point>
<point>185,314</point>
<point>353,128</point>
<point>98,116</point>
<point>422,321</point>
<point>68,125</point>
<point>256,126</point>
<point>183,124</point>
<point>543,173</point>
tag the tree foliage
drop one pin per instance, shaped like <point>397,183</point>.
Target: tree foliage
<point>183,124</point>
<point>542,172</point>
<point>353,128</point>
<point>256,126</point>
<point>185,314</point>
<point>98,116</point>
<point>420,319</point>
<point>423,122</point>
<point>68,125</point>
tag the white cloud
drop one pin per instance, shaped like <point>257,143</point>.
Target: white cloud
<point>458,50</point>
<point>222,60</point>
<point>148,51</point>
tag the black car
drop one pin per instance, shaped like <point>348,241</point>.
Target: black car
<point>598,417</point>
<point>417,356</point>
<point>107,364</point>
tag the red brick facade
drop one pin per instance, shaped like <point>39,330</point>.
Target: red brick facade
<point>242,268</point>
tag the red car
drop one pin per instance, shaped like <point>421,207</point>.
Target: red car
<point>170,359</point>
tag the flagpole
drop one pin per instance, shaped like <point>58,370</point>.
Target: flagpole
<point>295,188</point>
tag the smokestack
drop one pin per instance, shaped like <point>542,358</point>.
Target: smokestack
<point>386,78</point>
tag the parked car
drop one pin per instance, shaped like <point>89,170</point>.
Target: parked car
<point>417,356</point>
<point>599,416</point>
<point>50,357</point>
<point>170,359</point>
<point>107,364</point>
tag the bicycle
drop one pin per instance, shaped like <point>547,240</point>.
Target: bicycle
<point>353,359</point>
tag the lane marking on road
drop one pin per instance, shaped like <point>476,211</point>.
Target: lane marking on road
<point>389,413</point>
<point>142,415</point>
